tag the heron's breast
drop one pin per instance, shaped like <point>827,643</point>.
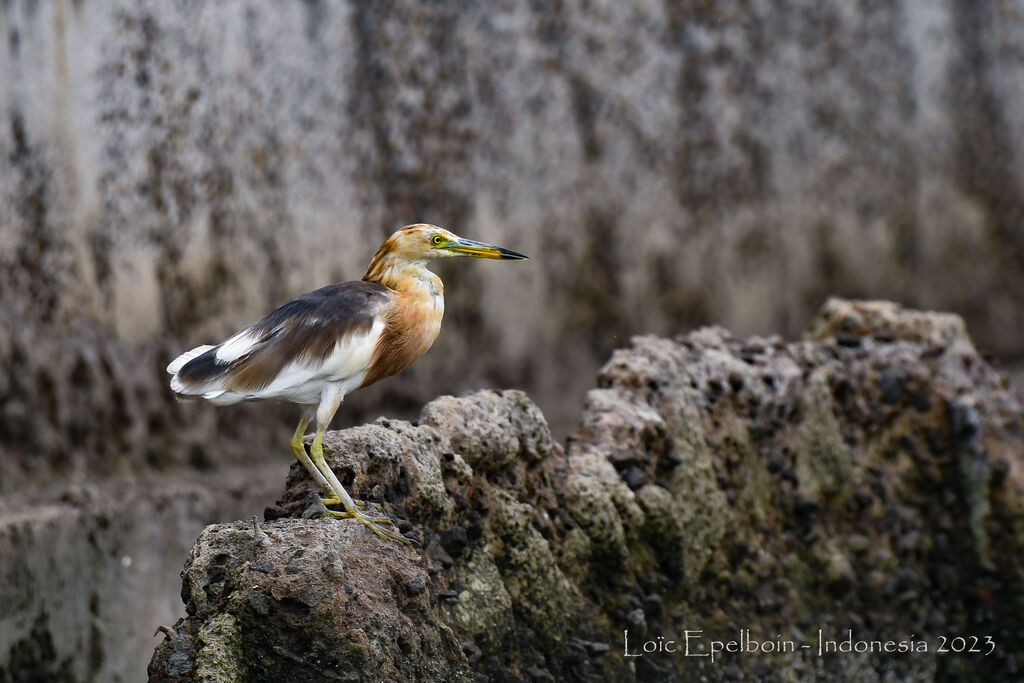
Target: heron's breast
<point>413,323</point>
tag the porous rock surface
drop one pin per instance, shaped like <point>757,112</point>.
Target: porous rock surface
<point>868,478</point>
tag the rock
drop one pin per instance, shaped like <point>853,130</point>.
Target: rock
<point>887,321</point>
<point>330,608</point>
<point>535,558</point>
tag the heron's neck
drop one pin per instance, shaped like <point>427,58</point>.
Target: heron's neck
<point>402,275</point>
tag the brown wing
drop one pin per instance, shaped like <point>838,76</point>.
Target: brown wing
<point>306,330</point>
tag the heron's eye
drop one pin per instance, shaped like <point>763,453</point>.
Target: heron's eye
<point>437,240</point>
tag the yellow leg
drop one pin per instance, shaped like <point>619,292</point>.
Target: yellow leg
<point>316,452</point>
<point>328,406</point>
<point>299,450</point>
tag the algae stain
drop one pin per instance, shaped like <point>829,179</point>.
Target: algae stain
<point>823,462</point>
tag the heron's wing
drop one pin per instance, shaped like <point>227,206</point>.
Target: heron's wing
<point>326,334</point>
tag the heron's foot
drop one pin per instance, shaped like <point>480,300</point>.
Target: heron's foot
<point>334,500</point>
<point>372,523</point>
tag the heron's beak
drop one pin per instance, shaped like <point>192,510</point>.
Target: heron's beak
<point>481,250</point>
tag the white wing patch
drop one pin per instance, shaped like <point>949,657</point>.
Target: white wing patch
<point>354,354</point>
<point>298,381</point>
<point>302,382</point>
<point>236,347</point>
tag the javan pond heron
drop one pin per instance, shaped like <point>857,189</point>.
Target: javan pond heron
<point>346,336</point>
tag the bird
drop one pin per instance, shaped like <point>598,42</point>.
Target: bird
<point>318,348</point>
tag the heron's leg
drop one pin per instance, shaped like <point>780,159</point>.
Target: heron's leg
<point>308,412</point>
<point>329,403</point>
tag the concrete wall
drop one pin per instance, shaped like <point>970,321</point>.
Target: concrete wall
<point>86,579</point>
<point>174,169</point>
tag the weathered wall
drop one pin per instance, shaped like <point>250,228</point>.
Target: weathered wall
<point>172,170</point>
<point>86,579</point>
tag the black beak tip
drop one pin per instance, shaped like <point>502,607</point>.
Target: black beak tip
<point>510,255</point>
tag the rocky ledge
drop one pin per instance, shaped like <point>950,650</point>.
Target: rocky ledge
<point>866,482</point>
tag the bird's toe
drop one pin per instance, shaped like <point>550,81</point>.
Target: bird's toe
<point>335,500</point>
<point>372,523</point>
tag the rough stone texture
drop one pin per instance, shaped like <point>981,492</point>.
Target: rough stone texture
<point>305,588</point>
<point>870,477</point>
<point>171,170</point>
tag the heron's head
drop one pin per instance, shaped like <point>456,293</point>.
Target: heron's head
<point>422,241</point>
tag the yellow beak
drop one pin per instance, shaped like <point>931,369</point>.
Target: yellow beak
<point>480,250</point>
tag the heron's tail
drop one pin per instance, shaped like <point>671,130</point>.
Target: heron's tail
<point>197,374</point>
<point>179,362</point>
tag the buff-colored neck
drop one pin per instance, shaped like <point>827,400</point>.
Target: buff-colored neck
<point>397,273</point>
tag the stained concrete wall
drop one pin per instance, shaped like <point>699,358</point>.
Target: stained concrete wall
<point>171,170</point>
<point>86,579</point>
